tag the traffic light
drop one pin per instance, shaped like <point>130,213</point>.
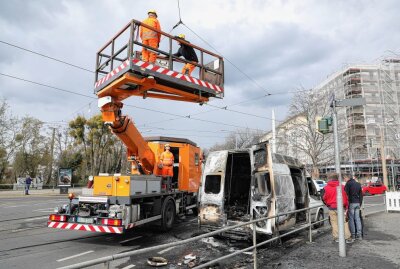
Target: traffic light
<point>324,124</point>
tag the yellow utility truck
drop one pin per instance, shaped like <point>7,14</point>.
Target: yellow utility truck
<point>118,202</point>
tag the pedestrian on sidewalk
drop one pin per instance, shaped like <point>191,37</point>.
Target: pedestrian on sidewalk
<point>28,182</point>
<point>329,199</point>
<point>354,193</point>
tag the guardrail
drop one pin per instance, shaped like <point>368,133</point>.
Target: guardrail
<point>107,259</point>
<point>392,201</point>
<point>365,205</point>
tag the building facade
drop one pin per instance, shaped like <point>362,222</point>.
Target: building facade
<point>367,133</point>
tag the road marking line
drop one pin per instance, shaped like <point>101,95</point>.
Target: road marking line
<point>134,238</point>
<point>40,209</point>
<point>74,256</point>
<point>165,250</point>
<point>36,218</point>
<point>20,230</point>
<point>129,266</point>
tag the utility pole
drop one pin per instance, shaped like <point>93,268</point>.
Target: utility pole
<point>383,159</point>
<point>339,197</point>
<point>51,154</point>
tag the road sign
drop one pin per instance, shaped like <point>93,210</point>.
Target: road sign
<point>351,102</point>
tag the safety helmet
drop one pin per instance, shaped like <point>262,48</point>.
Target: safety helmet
<point>167,145</point>
<point>181,36</point>
<point>152,11</point>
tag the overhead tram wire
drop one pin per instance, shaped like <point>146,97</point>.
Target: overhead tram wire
<point>234,65</point>
<point>180,22</point>
<point>45,56</point>
<point>142,108</point>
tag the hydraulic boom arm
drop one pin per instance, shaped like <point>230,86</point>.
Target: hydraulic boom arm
<point>138,151</point>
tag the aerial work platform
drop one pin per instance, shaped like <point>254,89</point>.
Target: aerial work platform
<point>120,72</point>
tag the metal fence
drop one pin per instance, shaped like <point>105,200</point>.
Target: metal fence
<point>373,204</point>
<point>105,261</point>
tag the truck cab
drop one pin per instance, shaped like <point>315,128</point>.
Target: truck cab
<point>240,185</point>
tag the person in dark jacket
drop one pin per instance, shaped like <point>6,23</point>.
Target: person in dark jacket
<point>330,201</point>
<point>354,193</point>
<point>28,182</point>
<point>189,54</point>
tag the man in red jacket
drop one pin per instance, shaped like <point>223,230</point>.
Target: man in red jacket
<point>329,198</point>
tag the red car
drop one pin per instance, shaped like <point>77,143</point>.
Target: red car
<point>373,188</point>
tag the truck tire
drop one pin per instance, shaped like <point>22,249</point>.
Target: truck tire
<point>195,211</point>
<point>168,214</point>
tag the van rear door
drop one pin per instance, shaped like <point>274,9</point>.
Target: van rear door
<point>212,190</point>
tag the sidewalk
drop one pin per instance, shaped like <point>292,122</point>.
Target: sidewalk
<point>379,249</point>
<point>38,193</point>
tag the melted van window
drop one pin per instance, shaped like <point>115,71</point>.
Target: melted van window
<point>262,183</point>
<point>213,184</point>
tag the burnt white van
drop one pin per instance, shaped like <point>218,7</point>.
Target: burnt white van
<point>240,185</point>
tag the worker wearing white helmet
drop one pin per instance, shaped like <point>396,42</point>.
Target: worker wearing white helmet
<point>167,161</point>
<point>149,37</point>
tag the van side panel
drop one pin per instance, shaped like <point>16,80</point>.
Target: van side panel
<point>211,211</point>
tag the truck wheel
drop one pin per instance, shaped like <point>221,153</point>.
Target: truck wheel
<point>168,214</point>
<point>195,211</point>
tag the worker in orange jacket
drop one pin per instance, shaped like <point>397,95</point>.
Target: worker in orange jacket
<point>167,161</point>
<point>150,37</point>
<point>189,54</point>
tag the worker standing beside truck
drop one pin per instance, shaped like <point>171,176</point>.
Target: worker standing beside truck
<point>167,162</point>
<point>150,37</point>
<point>189,54</point>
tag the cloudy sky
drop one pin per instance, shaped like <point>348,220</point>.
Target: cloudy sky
<point>275,47</point>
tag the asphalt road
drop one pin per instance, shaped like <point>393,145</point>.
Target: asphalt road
<point>26,242</point>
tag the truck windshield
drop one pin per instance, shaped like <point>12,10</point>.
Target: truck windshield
<point>212,184</point>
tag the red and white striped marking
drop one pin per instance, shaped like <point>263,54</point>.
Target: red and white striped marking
<point>160,70</point>
<point>85,227</point>
<point>112,73</point>
<point>177,75</point>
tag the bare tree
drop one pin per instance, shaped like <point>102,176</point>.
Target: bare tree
<point>239,140</point>
<point>9,126</point>
<point>310,142</point>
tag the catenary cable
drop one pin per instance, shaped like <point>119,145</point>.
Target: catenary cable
<point>142,108</point>
<point>45,56</point>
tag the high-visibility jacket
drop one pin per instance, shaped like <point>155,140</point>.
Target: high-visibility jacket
<point>146,34</point>
<point>167,158</point>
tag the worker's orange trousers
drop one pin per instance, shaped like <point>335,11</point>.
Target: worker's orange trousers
<point>167,171</point>
<point>188,69</point>
<point>149,56</point>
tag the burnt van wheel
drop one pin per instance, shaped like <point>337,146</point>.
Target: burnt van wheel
<point>320,217</point>
<point>168,214</point>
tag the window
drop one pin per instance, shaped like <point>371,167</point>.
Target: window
<point>213,184</point>
<point>196,159</point>
<point>262,183</point>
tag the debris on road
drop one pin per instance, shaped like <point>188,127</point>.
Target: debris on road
<point>210,241</point>
<point>157,261</point>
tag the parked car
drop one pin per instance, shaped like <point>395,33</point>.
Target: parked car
<point>373,188</point>
<point>319,184</point>
<point>317,214</point>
